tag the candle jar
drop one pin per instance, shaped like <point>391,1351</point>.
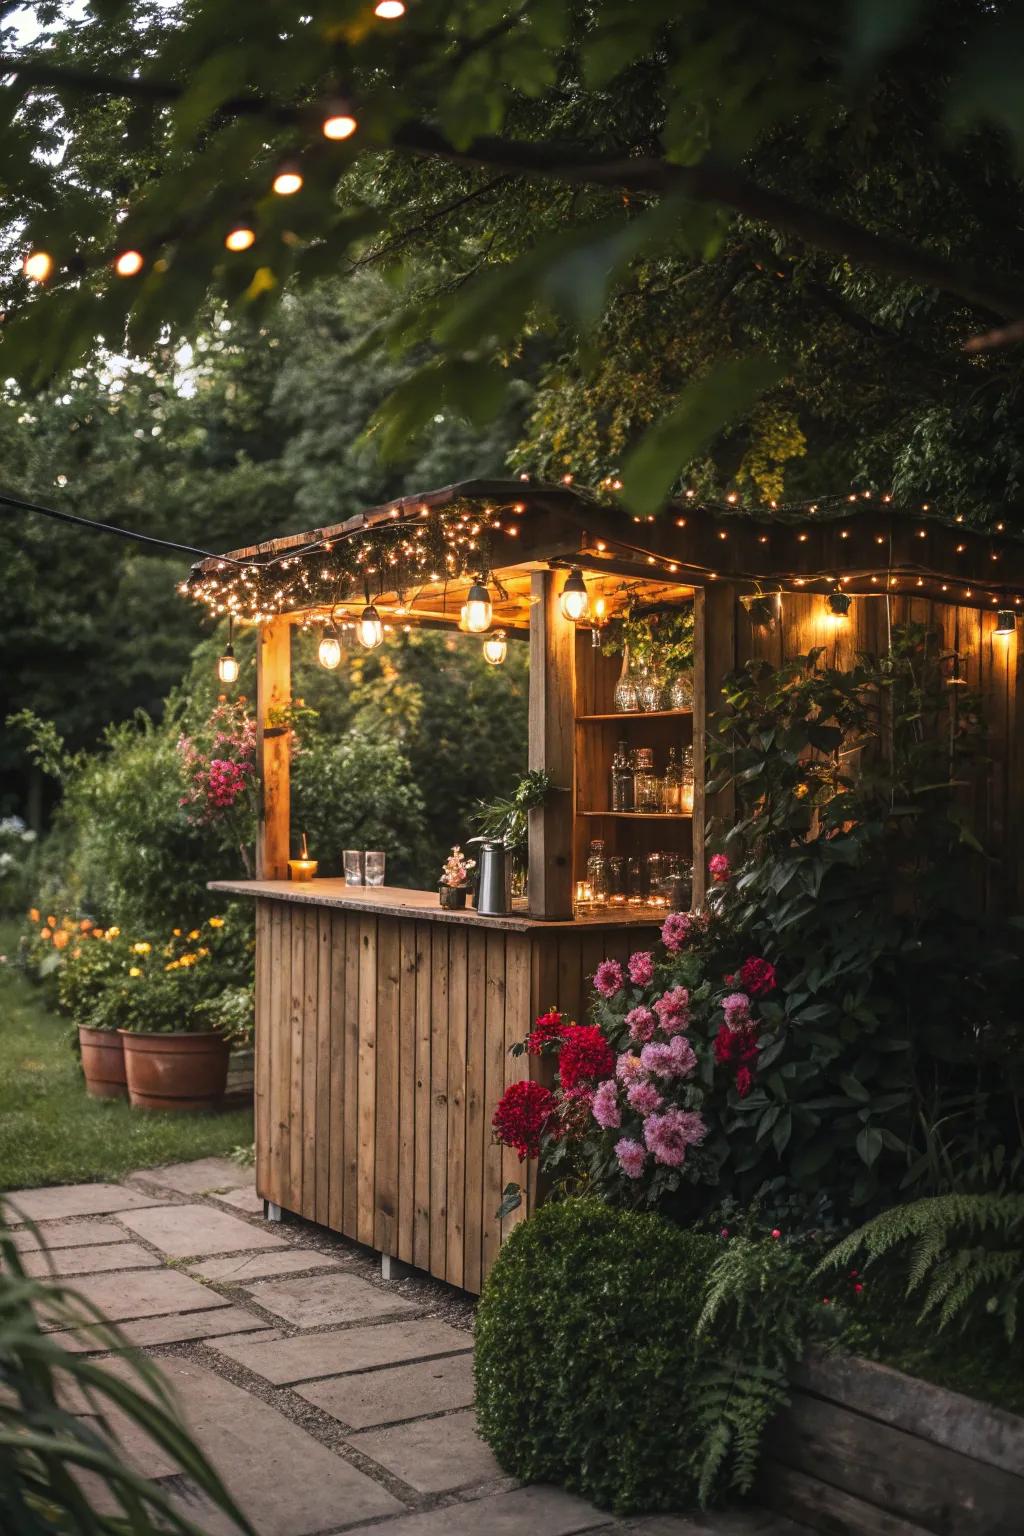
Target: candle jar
<point>686,788</point>
<point>302,869</point>
<point>649,793</point>
<point>618,879</point>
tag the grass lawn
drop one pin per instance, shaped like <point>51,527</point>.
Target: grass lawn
<point>52,1133</point>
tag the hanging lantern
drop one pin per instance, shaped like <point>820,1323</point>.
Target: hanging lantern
<point>369,630</point>
<point>839,604</point>
<point>227,665</point>
<point>1006,622</point>
<point>329,650</point>
<point>574,600</point>
<point>495,648</point>
<point>478,609</point>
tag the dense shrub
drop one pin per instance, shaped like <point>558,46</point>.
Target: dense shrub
<point>616,1357</point>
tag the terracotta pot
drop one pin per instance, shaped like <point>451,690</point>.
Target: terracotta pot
<point>102,1063</point>
<point>175,1071</point>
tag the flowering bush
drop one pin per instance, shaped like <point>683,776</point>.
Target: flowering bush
<point>16,844</point>
<point>219,765</point>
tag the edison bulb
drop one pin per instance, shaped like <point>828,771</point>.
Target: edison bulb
<point>240,237</point>
<point>129,263</point>
<point>478,608</point>
<point>575,602</point>
<point>495,648</point>
<point>227,666</point>
<point>389,10</point>
<point>288,181</point>
<point>37,265</point>
<point>340,125</point>
<point>329,652</point>
<point>369,630</point>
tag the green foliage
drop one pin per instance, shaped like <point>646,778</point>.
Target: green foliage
<point>232,1013</point>
<point>359,792</point>
<point>962,1254</point>
<point>660,638</point>
<point>592,1369</point>
<point>507,816</point>
<point>45,1449</point>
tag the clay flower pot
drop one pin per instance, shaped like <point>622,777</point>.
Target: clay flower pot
<point>102,1063</point>
<point>175,1071</point>
<point>453,896</point>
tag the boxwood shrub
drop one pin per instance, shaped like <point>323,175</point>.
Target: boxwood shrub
<point>586,1352</point>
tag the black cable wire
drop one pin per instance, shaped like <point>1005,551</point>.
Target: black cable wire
<point>123,533</point>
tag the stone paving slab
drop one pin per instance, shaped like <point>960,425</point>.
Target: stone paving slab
<point>432,1455</point>
<point>323,1299</point>
<point>61,1200</point>
<point>202,1177</point>
<point>150,1332</point>
<point>723,1522</point>
<point>147,1293</point>
<point>285,1481</point>
<point>535,1511</point>
<point>193,1231</point>
<point>400,1392</point>
<point>353,1349</point>
<point>235,1270</point>
<point>246,1200</point>
<point>68,1234</point>
<point>89,1261</point>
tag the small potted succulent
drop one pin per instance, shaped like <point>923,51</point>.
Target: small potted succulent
<point>454,887</point>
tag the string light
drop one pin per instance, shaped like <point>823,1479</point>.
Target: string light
<point>329,649</point>
<point>129,263</point>
<point>478,609</point>
<point>38,266</point>
<point>389,10</point>
<point>227,665</point>
<point>240,237</point>
<point>339,124</point>
<point>288,180</point>
<point>369,630</point>
<point>495,648</point>
<point>574,600</point>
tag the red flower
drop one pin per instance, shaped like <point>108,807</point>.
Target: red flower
<point>757,976</point>
<point>744,1081</point>
<point>547,1027</point>
<point>585,1056</point>
<point>523,1115</point>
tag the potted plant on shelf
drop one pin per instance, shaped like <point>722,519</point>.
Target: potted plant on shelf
<point>454,886</point>
<point>507,817</point>
<point>656,645</point>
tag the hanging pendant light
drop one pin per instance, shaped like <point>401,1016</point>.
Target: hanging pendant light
<point>574,600</point>
<point>839,605</point>
<point>495,648</point>
<point>329,650</point>
<point>227,665</point>
<point>1006,622</point>
<point>369,630</point>
<point>478,608</point>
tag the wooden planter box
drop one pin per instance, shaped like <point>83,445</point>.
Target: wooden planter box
<point>866,1451</point>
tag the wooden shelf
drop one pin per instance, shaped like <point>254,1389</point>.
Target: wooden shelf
<point>643,815</point>
<point>637,714</point>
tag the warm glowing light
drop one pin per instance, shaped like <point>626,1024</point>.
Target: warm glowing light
<point>369,630</point>
<point>389,10</point>
<point>495,648</point>
<point>574,601</point>
<point>478,609</point>
<point>240,237</point>
<point>340,125</point>
<point>288,181</point>
<point>37,265</point>
<point>129,263</point>
<point>329,651</point>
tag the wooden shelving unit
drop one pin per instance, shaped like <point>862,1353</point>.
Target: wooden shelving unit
<point>637,714</point>
<point>641,815</point>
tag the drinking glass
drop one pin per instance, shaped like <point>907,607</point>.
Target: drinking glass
<point>374,868</point>
<point>353,865</point>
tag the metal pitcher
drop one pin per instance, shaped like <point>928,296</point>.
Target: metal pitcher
<point>493,896</point>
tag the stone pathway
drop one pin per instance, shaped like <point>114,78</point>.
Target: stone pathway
<point>327,1397</point>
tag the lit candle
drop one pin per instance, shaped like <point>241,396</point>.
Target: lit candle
<point>304,868</point>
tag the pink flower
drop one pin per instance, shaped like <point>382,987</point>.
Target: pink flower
<point>608,978</point>
<point>632,1157</point>
<point>605,1105</point>
<point>673,1010</point>
<point>744,1081</point>
<point>669,1135</point>
<point>644,1098</point>
<point>675,931</point>
<point>757,976</point>
<point>736,1007</point>
<point>719,867</point>
<point>641,1024</point>
<point>629,1069</point>
<point>641,968</point>
<point>676,1059</point>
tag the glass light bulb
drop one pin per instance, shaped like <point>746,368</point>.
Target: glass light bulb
<point>478,609</point>
<point>496,648</point>
<point>329,653</point>
<point>240,238</point>
<point>574,601</point>
<point>129,263</point>
<point>389,10</point>
<point>227,667</point>
<point>287,182</point>
<point>37,265</point>
<point>369,630</point>
<point>340,125</point>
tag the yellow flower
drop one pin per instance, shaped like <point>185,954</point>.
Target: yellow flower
<point>216,922</point>
<point>134,971</point>
<point>176,932</point>
<point>202,950</point>
<point>194,934</point>
<point>112,933</point>
<point>142,948</point>
<point>172,967</point>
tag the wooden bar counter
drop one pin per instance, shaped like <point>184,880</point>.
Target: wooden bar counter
<point>383,1027</point>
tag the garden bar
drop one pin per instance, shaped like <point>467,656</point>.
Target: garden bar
<point>384,1019</point>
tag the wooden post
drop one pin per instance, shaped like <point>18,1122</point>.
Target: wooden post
<point>552,730</point>
<point>273,692</point>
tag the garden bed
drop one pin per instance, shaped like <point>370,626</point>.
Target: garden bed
<point>864,1450</point>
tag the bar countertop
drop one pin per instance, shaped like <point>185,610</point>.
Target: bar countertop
<point>394,901</point>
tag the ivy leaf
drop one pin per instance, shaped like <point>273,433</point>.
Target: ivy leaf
<point>869,1145</point>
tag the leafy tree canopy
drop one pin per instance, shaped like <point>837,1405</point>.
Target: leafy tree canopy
<point>747,232</point>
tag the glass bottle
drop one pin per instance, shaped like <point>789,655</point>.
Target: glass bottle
<point>618,868</point>
<point>672,785</point>
<point>622,780</point>
<point>686,793</point>
<point>598,876</point>
<point>654,863</point>
<point>651,690</point>
<point>625,696</point>
<point>636,881</point>
<point>646,789</point>
<point>681,693</point>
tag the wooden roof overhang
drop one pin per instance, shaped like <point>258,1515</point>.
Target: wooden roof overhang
<point>866,547</point>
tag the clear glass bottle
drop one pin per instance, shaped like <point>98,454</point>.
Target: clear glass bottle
<point>622,780</point>
<point>655,868</point>
<point>636,881</point>
<point>625,697</point>
<point>618,868</point>
<point>598,874</point>
<point>686,793</point>
<point>672,785</point>
<point>646,785</point>
<point>651,690</point>
<point>681,692</point>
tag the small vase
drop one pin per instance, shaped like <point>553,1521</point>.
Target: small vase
<point>651,691</point>
<point>453,896</point>
<point>625,697</point>
<point>681,693</point>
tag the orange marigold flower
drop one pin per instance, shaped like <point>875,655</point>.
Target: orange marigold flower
<point>194,934</point>
<point>33,914</point>
<point>44,933</point>
<point>85,924</point>
<point>98,933</point>
<point>76,954</point>
<point>216,922</point>
<point>61,938</point>
<point>52,921</point>
<point>176,932</point>
<point>202,950</point>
